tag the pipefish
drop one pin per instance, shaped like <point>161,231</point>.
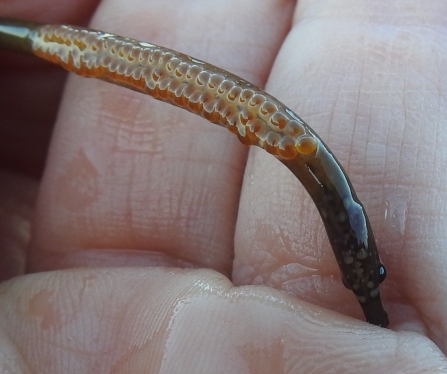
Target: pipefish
<point>253,115</point>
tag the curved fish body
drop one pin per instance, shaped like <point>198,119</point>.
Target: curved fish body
<point>253,115</point>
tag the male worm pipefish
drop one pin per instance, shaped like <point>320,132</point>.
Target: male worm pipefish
<point>256,117</point>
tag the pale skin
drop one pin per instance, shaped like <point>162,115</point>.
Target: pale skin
<point>160,244</point>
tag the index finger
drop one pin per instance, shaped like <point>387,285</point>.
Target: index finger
<point>128,173</point>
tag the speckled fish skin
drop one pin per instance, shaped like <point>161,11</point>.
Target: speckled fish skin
<point>256,117</point>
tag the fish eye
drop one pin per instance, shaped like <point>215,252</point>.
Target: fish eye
<point>382,273</point>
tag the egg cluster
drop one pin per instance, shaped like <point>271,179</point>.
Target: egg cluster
<point>221,97</point>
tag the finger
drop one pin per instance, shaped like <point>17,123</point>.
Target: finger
<point>355,72</point>
<point>188,321</point>
<point>29,94</point>
<point>30,90</point>
<point>128,173</point>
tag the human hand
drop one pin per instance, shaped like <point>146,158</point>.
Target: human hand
<point>132,184</point>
